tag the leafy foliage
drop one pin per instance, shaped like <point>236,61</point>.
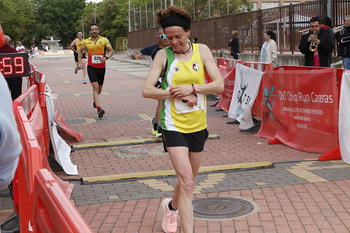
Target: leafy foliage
<point>17,18</point>
<point>34,20</point>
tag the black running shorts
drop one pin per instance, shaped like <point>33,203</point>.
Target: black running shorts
<point>76,56</point>
<point>96,74</point>
<point>194,141</point>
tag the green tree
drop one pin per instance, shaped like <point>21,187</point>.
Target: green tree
<point>58,18</point>
<point>114,18</point>
<point>17,19</point>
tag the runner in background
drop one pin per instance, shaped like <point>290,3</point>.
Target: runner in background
<point>75,46</point>
<point>96,46</point>
<point>152,51</point>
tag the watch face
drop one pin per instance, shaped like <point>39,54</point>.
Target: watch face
<point>14,64</point>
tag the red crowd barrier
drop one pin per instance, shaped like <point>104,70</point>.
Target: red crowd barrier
<point>29,101</point>
<point>31,161</point>
<point>228,73</point>
<point>294,114</point>
<point>262,66</point>
<point>29,164</point>
<point>39,79</point>
<point>218,61</point>
<point>53,211</point>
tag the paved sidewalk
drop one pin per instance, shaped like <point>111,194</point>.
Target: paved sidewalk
<point>293,190</point>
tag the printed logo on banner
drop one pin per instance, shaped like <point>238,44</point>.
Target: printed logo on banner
<point>269,104</point>
<point>242,97</point>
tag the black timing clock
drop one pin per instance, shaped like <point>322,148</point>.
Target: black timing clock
<point>14,65</point>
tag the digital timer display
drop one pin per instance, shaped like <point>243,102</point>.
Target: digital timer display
<point>14,64</point>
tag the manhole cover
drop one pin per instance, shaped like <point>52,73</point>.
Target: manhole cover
<point>222,207</point>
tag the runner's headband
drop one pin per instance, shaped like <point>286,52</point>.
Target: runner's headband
<point>176,20</point>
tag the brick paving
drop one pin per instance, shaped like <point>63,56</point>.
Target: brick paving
<point>297,194</point>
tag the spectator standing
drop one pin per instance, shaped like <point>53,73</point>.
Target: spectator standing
<point>183,115</point>
<point>269,49</point>
<point>14,84</point>
<point>20,48</point>
<point>152,51</point>
<point>343,38</point>
<point>234,44</point>
<point>96,46</point>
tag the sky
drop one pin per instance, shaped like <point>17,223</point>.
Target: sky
<point>94,1</point>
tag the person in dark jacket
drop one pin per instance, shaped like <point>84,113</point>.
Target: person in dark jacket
<point>323,42</point>
<point>343,37</point>
<point>234,43</point>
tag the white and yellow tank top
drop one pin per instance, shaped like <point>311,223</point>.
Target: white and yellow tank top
<point>176,115</point>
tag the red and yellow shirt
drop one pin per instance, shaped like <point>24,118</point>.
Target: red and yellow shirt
<point>96,50</point>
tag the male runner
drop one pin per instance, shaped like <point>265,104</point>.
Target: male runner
<point>152,51</point>
<point>96,68</point>
<point>75,46</point>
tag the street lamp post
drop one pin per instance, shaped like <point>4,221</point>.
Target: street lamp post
<point>94,14</point>
<point>82,26</point>
<point>129,18</point>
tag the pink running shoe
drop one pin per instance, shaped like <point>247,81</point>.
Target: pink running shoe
<point>169,224</point>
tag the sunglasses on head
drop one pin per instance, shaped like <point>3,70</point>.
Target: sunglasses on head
<point>163,36</point>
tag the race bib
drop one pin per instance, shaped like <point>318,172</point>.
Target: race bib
<point>95,59</point>
<point>182,107</point>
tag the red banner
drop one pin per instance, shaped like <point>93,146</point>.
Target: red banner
<point>300,108</point>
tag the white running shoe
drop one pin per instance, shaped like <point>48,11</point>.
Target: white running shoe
<point>169,224</point>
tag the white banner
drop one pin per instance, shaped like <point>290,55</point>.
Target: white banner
<point>344,117</point>
<point>246,89</point>
<point>60,147</point>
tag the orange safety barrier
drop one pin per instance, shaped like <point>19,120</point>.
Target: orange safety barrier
<point>29,105</point>
<point>53,211</point>
<point>262,66</point>
<point>39,79</point>
<point>28,165</point>
<point>228,73</point>
<point>29,101</point>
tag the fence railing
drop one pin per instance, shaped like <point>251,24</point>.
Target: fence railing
<point>285,21</point>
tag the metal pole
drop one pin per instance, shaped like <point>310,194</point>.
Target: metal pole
<point>146,16</point>
<point>171,2</point>
<point>134,18</point>
<point>209,8</point>
<point>129,18</point>
<point>194,9</point>
<point>154,15</point>
<point>329,8</point>
<point>165,4</point>
<point>140,19</point>
<point>95,14</point>
<point>82,26</point>
<point>227,8</point>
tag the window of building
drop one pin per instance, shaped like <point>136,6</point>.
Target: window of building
<point>266,5</point>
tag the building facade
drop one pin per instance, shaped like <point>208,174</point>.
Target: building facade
<point>265,4</point>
